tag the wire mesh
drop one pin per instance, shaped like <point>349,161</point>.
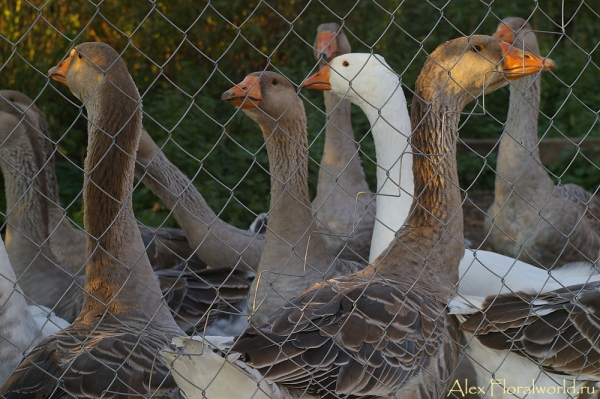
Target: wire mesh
<point>205,171</point>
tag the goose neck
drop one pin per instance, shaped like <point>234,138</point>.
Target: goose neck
<point>119,278</point>
<point>26,203</point>
<point>287,151</point>
<point>339,149</point>
<point>434,228</point>
<point>519,155</point>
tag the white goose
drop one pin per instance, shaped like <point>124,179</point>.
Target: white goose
<point>382,331</point>
<point>376,89</point>
<point>343,206</point>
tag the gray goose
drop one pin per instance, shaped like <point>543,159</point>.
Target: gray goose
<point>343,206</point>
<point>533,219</point>
<point>385,330</point>
<point>20,326</point>
<point>295,255</point>
<point>216,242</point>
<point>110,350</point>
<point>49,273</point>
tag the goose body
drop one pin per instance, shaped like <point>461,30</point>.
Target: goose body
<point>531,218</point>
<point>341,337</point>
<point>295,255</point>
<point>343,206</point>
<point>123,311</point>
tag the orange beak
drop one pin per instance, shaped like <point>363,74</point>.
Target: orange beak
<point>504,33</point>
<point>518,63</point>
<point>59,72</point>
<point>326,46</point>
<point>319,81</point>
<point>244,95</point>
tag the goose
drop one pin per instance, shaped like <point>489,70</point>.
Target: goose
<point>112,345</point>
<point>216,242</point>
<point>20,325</point>
<point>295,255</point>
<point>385,330</point>
<point>370,83</point>
<point>49,257</point>
<point>532,218</point>
<point>343,207</point>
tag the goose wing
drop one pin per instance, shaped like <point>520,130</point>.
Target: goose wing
<point>354,336</point>
<point>558,329</point>
<point>107,363</point>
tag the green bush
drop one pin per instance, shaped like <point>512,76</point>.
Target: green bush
<point>184,54</point>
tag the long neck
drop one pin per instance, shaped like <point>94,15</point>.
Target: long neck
<point>27,207</point>
<point>294,255</point>
<point>340,156</point>
<point>391,131</point>
<point>519,156</point>
<point>434,230</point>
<point>119,278</point>
<point>216,242</point>
<point>290,210</point>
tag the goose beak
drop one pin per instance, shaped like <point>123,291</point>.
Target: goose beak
<point>59,72</point>
<point>504,33</point>
<point>319,81</point>
<point>518,63</point>
<point>244,95</point>
<point>326,46</point>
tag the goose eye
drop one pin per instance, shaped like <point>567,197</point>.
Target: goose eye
<point>478,48</point>
<point>274,82</point>
<point>345,63</point>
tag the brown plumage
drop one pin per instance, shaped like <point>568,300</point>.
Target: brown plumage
<point>110,350</point>
<point>295,255</point>
<point>533,219</point>
<point>558,330</point>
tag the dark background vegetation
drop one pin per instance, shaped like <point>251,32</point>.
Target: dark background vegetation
<point>184,54</point>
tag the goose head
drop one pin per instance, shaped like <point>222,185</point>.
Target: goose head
<point>517,31</point>
<point>331,41</point>
<point>269,99</point>
<point>18,118</point>
<point>468,67</point>
<point>89,68</point>
<point>364,79</point>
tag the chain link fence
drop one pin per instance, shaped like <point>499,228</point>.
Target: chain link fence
<point>203,177</point>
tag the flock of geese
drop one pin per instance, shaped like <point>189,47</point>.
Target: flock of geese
<point>112,320</point>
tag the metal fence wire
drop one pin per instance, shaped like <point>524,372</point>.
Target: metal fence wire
<point>233,199</point>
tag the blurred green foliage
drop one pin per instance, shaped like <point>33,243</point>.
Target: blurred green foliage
<point>184,54</point>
